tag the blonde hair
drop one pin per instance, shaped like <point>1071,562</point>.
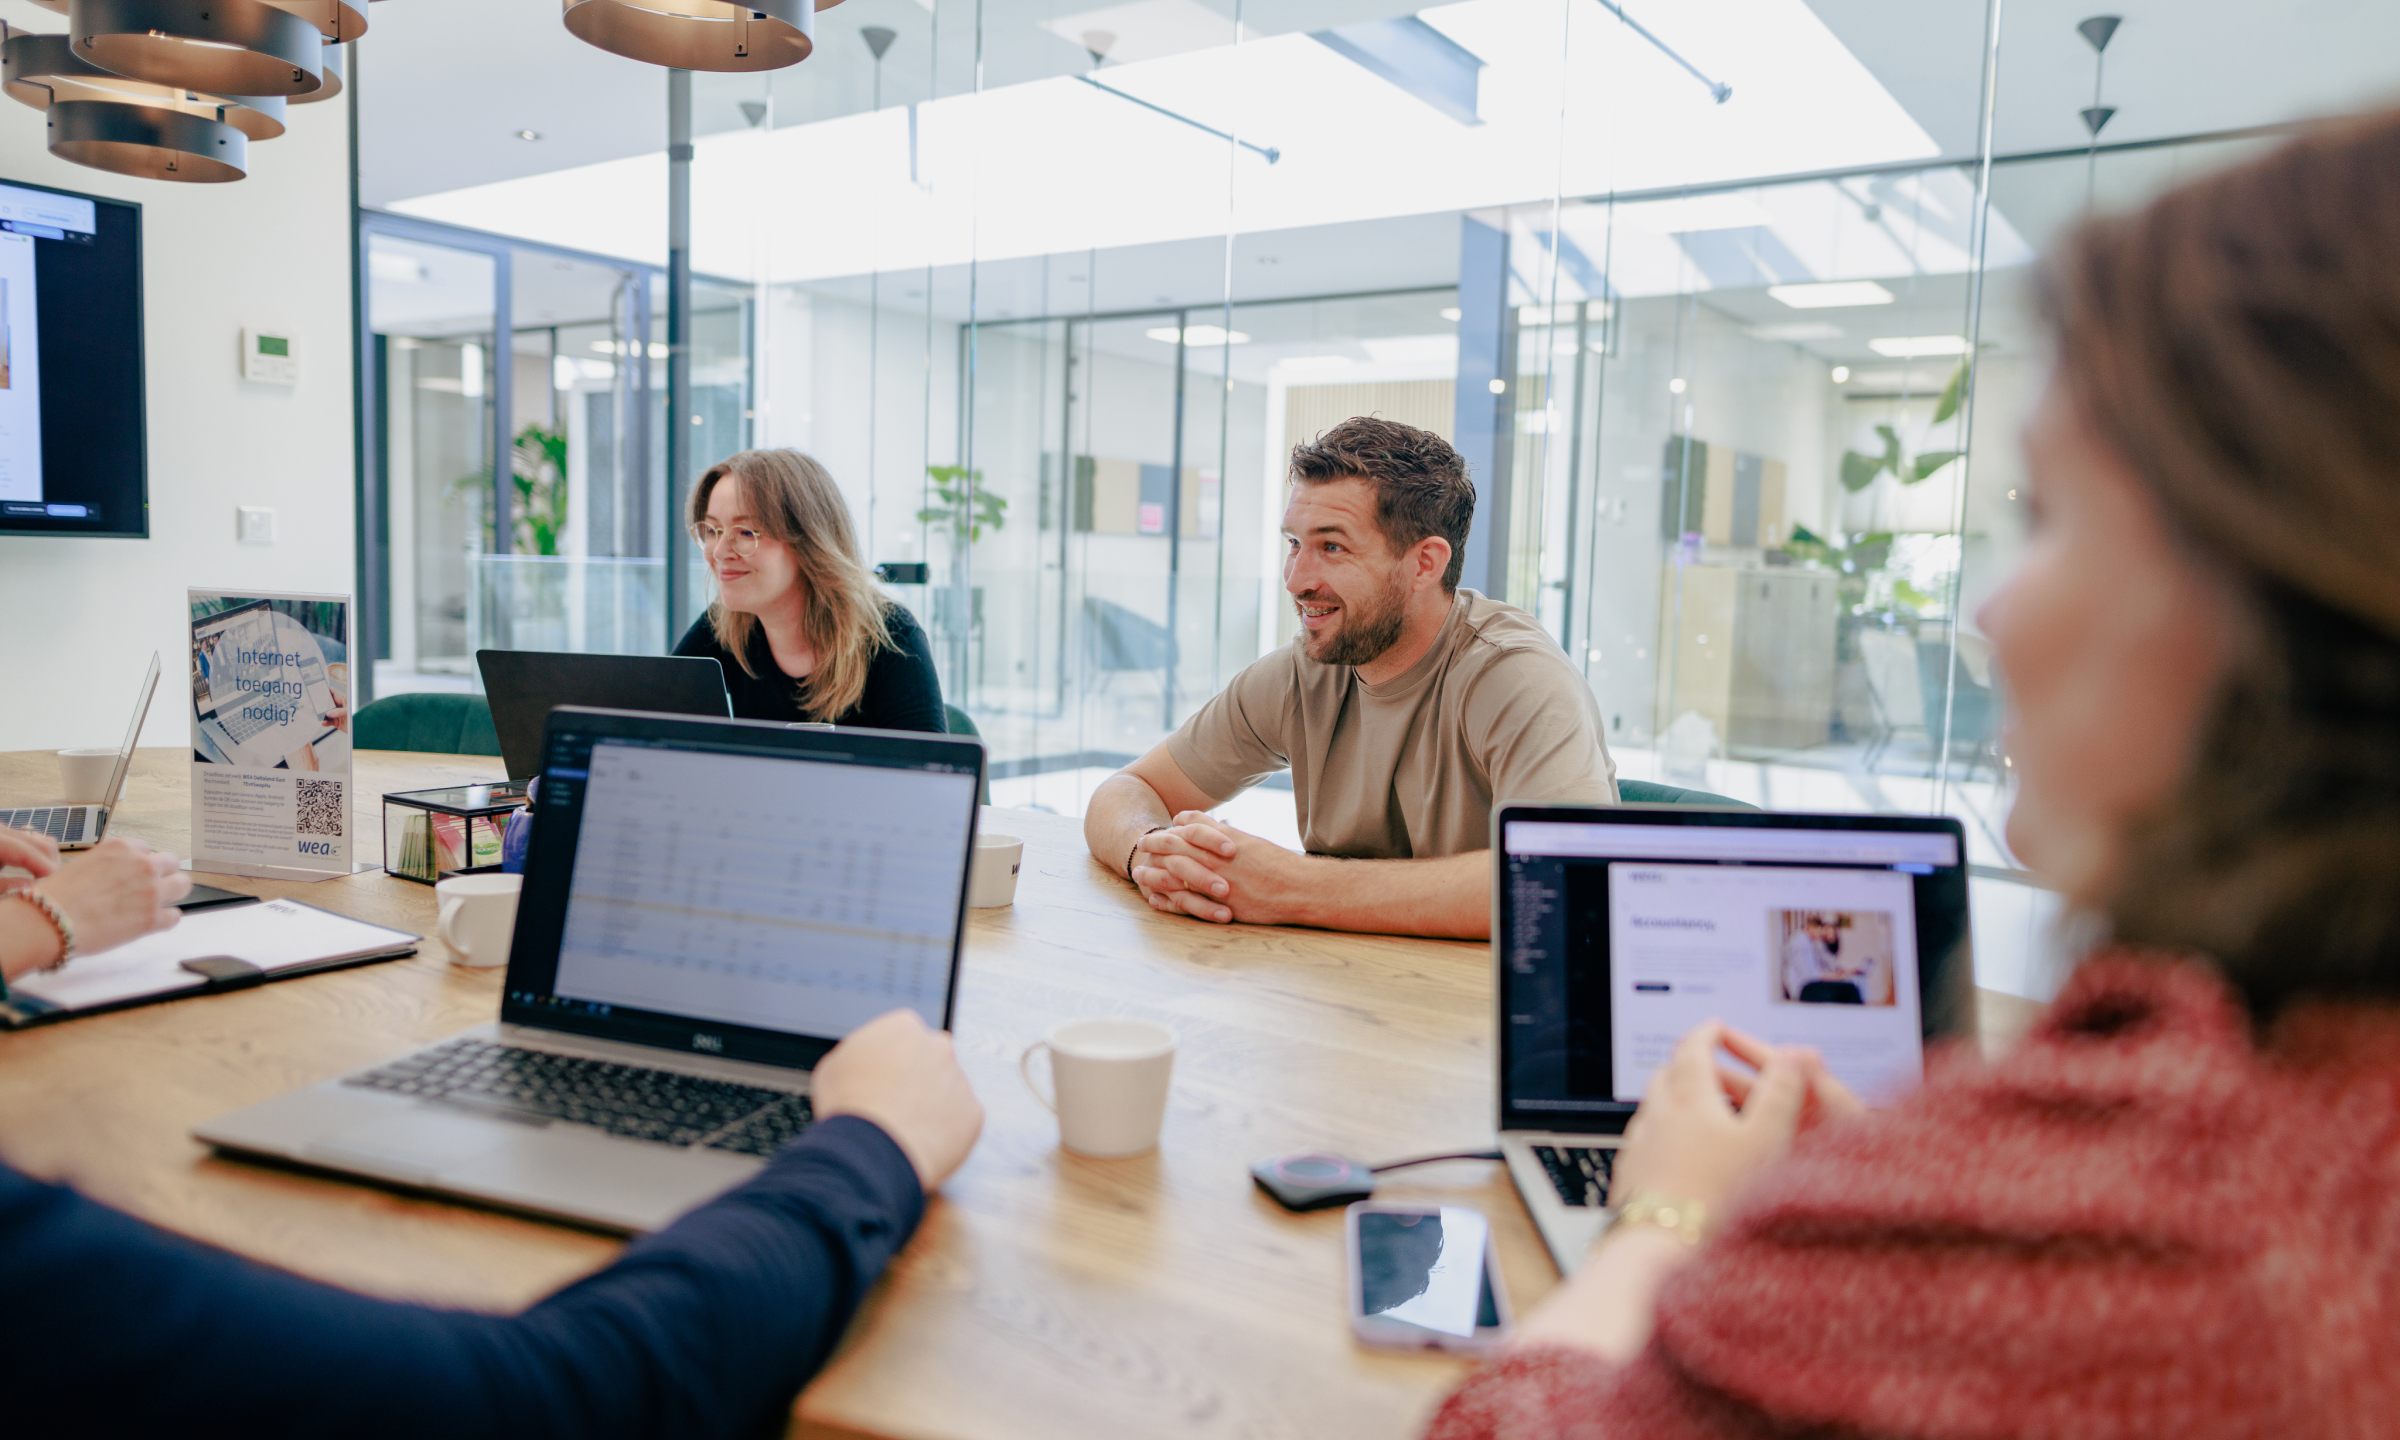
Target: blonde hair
<point>792,498</point>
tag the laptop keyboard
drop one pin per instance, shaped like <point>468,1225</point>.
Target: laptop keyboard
<point>240,725</point>
<point>627,1100</point>
<point>1579,1172</point>
<point>59,822</point>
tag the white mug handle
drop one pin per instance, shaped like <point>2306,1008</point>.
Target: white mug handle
<point>1025,1069</point>
<point>441,927</point>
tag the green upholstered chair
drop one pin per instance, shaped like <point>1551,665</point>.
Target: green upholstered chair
<point>442,723</point>
<point>1650,792</point>
<point>961,724</point>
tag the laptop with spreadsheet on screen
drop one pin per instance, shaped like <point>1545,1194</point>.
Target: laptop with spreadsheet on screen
<point>709,905</point>
<point>1616,930</point>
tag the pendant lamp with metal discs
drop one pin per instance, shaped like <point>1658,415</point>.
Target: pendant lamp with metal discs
<point>700,34</point>
<point>133,127</point>
<point>145,140</point>
<point>333,79</point>
<point>221,47</point>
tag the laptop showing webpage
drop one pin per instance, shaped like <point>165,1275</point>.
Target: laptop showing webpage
<point>709,906</point>
<point>1618,930</point>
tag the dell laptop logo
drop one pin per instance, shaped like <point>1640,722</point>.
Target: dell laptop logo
<point>713,1044</point>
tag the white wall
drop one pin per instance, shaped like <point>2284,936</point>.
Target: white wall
<point>79,618</point>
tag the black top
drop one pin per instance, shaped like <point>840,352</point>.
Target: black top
<point>902,691</point>
<point>707,1328</point>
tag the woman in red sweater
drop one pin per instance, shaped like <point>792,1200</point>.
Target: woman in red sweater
<point>2174,1208</point>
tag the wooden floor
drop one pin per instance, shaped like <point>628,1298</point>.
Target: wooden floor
<point>1046,1295</point>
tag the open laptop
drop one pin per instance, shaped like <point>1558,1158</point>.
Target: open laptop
<point>79,827</point>
<point>1616,930</point>
<point>525,685</point>
<point>709,905</point>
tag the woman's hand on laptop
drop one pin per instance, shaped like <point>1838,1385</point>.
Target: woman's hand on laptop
<point>26,851</point>
<point>904,1077</point>
<point>1688,1142</point>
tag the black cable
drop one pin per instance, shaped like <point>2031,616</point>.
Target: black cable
<point>1429,1159</point>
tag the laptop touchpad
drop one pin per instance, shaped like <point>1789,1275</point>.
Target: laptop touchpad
<point>412,1148</point>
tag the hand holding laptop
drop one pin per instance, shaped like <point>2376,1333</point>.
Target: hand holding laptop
<point>905,1078</point>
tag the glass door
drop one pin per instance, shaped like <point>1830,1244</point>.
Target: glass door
<point>431,317</point>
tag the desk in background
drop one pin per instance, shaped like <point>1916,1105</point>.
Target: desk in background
<point>1045,1296</point>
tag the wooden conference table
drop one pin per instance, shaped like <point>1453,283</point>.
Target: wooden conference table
<point>1046,1295</point>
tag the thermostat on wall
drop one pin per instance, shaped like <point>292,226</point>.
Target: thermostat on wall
<point>269,358</point>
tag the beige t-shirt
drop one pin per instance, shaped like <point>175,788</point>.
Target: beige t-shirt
<point>1411,768</point>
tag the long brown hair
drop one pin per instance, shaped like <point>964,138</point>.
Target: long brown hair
<point>2237,344</point>
<point>793,499</point>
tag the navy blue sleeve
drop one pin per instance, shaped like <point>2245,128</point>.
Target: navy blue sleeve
<point>708,1328</point>
<point>903,691</point>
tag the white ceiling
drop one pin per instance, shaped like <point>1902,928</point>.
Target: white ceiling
<point>444,84</point>
<point>447,83</point>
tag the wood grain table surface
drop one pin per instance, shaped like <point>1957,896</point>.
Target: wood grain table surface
<point>1046,1295</point>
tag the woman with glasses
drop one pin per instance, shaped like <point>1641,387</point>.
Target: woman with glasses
<point>798,624</point>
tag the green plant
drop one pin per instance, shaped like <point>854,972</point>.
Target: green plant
<point>537,466</point>
<point>1860,469</point>
<point>965,507</point>
<point>1855,558</point>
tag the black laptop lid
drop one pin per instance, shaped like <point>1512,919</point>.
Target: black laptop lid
<point>525,685</point>
<point>1619,929</point>
<point>740,888</point>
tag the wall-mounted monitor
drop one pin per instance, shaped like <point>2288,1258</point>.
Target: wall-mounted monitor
<point>73,456</point>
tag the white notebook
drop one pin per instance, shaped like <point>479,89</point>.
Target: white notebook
<point>239,945</point>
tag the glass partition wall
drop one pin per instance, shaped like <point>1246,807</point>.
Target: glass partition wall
<point>1727,304</point>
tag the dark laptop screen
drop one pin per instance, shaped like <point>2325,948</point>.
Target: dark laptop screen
<point>742,889</point>
<point>1624,929</point>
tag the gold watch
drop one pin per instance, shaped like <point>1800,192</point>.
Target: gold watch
<point>1686,1220</point>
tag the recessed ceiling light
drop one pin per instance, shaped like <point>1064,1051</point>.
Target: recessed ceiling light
<point>1317,362</point>
<point>1450,313</point>
<point>1841,374</point>
<point>1831,294</point>
<point>1197,335</point>
<point>1901,347</point>
<point>1801,330</point>
<point>1675,386</point>
<point>529,134</point>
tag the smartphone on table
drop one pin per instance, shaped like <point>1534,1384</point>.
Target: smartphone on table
<point>1424,1277</point>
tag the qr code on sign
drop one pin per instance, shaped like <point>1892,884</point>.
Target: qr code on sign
<point>320,804</point>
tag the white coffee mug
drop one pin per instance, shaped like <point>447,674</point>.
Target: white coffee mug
<point>1111,1079</point>
<point>83,775</point>
<point>478,917</point>
<point>992,874</point>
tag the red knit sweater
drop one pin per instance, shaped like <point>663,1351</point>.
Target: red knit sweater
<point>2139,1223</point>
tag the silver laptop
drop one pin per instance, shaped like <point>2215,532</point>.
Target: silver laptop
<point>79,827</point>
<point>1616,930</point>
<point>709,905</point>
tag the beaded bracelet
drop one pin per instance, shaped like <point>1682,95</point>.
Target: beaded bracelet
<point>58,921</point>
<point>1137,849</point>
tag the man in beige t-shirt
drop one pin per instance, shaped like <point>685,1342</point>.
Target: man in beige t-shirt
<point>1405,710</point>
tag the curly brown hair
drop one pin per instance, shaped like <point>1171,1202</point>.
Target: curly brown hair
<point>1421,484</point>
<point>2237,344</point>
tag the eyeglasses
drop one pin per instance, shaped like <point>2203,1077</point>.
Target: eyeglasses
<point>741,542</point>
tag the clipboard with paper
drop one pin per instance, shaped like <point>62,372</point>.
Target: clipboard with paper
<point>229,948</point>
